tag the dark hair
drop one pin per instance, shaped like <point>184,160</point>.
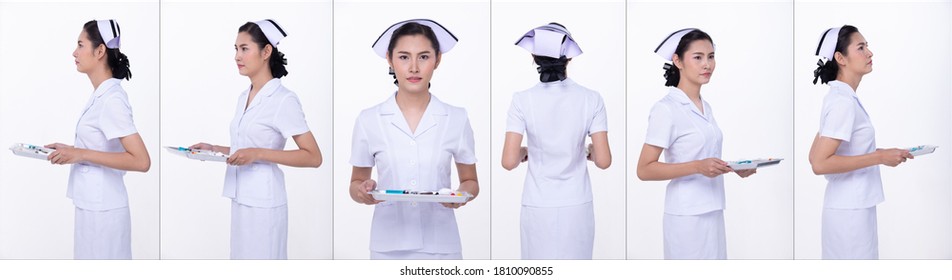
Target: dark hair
<point>409,29</point>
<point>551,69</point>
<point>118,62</point>
<point>277,61</point>
<point>826,72</point>
<point>672,75</point>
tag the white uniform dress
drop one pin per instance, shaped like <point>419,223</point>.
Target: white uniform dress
<point>557,219</point>
<point>259,212</point>
<point>694,204</point>
<point>102,222</point>
<point>419,160</point>
<point>849,207</point>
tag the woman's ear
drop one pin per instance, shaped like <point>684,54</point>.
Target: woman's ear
<point>266,51</point>
<point>840,59</point>
<point>676,60</point>
<point>438,57</point>
<point>100,52</point>
<point>390,61</point>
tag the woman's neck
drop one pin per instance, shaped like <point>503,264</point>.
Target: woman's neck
<point>258,81</point>
<point>413,101</point>
<point>96,77</point>
<point>850,79</point>
<point>693,91</point>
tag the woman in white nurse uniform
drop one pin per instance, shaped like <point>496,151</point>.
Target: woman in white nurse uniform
<point>267,114</point>
<point>558,218</point>
<point>411,138</point>
<point>682,126</point>
<point>844,149</point>
<point>107,145</point>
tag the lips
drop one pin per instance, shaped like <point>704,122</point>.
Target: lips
<point>414,79</point>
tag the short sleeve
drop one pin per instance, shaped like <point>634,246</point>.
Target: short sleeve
<point>516,122</point>
<point>116,118</point>
<point>600,118</point>
<point>660,126</point>
<point>838,119</point>
<point>466,149</point>
<point>289,119</point>
<point>360,155</point>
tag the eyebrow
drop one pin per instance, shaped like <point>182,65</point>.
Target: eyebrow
<point>242,45</point>
<point>702,53</point>
<point>863,43</point>
<point>406,52</point>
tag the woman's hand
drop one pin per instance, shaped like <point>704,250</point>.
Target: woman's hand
<point>244,156</point>
<point>359,191</point>
<point>746,172</point>
<point>462,188</point>
<point>711,167</point>
<point>203,146</point>
<point>893,157</point>
<point>64,154</point>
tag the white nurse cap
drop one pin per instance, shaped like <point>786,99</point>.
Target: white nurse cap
<point>551,40</point>
<point>827,45</point>
<point>446,39</point>
<point>670,44</point>
<point>109,30</point>
<point>272,30</point>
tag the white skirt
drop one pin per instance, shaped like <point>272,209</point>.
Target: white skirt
<point>413,255</point>
<point>102,234</point>
<point>259,233</point>
<point>695,236</point>
<point>850,234</point>
<point>558,232</point>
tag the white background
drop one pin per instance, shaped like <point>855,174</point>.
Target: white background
<point>200,87</point>
<point>907,97</point>
<point>41,98</point>
<point>750,94</point>
<point>601,68</point>
<point>361,81</point>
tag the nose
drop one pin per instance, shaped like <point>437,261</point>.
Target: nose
<point>414,66</point>
<point>237,57</point>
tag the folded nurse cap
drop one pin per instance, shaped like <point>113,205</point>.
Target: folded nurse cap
<point>551,40</point>
<point>446,39</point>
<point>272,30</point>
<point>827,45</point>
<point>109,30</point>
<point>670,44</point>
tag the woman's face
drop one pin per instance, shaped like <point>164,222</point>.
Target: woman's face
<point>413,60</point>
<point>698,63</point>
<point>858,58</point>
<point>86,55</point>
<point>249,58</point>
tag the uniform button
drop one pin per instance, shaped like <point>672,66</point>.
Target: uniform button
<point>412,143</point>
<point>85,169</point>
<point>413,182</point>
<point>413,203</point>
<point>412,162</point>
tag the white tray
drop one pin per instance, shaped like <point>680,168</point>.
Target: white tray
<point>922,150</point>
<point>33,151</point>
<point>455,197</point>
<point>753,163</point>
<point>202,155</point>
